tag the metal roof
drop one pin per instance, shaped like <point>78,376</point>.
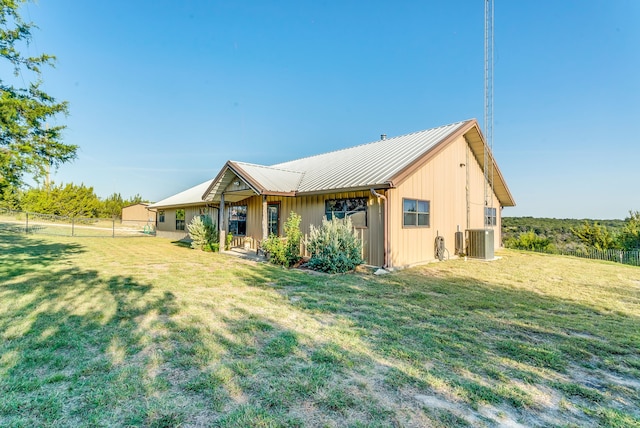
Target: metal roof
<point>191,196</point>
<point>272,178</point>
<point>379,164</point>
<point>375,163</point>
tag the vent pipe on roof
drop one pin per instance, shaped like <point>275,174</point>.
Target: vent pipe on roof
<point>383,136</point>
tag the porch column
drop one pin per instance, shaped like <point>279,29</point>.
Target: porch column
<point>221,227</point>
<point>265,226</point>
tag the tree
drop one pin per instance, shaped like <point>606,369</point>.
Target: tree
<point>63,200</point>
<point>595,235</point>
<point>629,238</point>
<point>112,206</point>
<point>30,141</point>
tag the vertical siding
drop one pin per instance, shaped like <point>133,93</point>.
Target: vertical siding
<point>312,209</point>
<point>442,181</point>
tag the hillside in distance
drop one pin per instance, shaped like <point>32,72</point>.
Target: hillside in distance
<point>558,231</point>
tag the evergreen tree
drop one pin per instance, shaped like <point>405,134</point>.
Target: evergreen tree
<point>30,140</point>
<point>629,238</point>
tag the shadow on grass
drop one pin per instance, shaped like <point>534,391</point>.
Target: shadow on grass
<point>503,355</point>
<point>72,350</point>
<point>22,253</point>
<point>270,347</point>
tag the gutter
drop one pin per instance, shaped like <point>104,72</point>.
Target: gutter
<point>386,263</point>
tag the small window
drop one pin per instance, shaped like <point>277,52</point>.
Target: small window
<point>238,220</point>
<point>415,213</point>
<point>354,208</point>
<point>179,219</point>
<point>160,216</point>
<point>490,216</point>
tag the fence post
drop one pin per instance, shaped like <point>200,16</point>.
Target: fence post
<point>73,223</point>
<point>26,227</point>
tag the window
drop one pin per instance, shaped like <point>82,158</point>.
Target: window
<point>273,217</point>
<point>415,213</point>
<point>160,216</point>
<point>355,208</point>
<point>179,219</point>
<point>490,216</point>
<point>238,220</point>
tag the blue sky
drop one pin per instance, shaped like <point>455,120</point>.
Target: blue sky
<point>163,93</point>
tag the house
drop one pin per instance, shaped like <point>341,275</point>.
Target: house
<point>404,194</point>
<point>176,212</point>
<point>138,215</point>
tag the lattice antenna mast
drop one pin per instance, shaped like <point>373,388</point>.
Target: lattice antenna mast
<point>488,107</point>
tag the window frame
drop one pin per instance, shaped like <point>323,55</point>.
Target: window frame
<point>417,213</point>
<point>180,222</point>
<point>362,205</point>
<point>490,216</point>
<point>269,231</point>
<point>237,223</point>
<point>160,216</point>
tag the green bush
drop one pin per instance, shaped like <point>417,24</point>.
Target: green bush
<point>274,247</point>
<point>334,247</point>
<point>285,251</point>
<point>203,233</point>
<point>530,241</point>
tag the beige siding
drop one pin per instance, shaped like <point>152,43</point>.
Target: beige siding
<point>168,227</point>
<point>312,211</point>
<point>138,215</point>
<point>441,181</point>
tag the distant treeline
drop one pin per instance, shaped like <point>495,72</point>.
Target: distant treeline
<point>68,200</point>
<point>570,234</point>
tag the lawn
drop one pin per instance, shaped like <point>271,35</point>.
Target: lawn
<point>144,332</point>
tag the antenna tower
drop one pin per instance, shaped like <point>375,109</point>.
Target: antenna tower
<point>488,109</point>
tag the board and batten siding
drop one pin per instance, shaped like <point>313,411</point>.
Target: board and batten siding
<point>312,210</point>
<point>442,181</point>
<point>167,229</point>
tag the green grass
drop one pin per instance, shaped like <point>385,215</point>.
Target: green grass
<point>144,332</point>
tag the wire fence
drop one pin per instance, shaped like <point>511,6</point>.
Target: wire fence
<point>49,224</point>
<point>627,257</point>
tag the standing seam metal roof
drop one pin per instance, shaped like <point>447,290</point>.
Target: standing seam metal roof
<point>367,164</point>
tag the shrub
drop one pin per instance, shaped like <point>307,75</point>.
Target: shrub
<point>285,251</point>
<point>334,247</point>
<point>203,233</point>
<point>227,241</point>
<point>274,247</point>
<point>530,241</point>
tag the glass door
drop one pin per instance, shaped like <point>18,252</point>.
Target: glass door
<point>273,219</point>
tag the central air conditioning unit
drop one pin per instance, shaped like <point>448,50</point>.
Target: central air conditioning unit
<point>480,243</point>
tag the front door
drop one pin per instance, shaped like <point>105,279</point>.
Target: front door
<point>273,219</point>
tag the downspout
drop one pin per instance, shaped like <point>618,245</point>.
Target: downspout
<point>385,227</point>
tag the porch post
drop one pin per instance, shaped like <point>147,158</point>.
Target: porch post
<point>265,226</point>
<point>221,227</point>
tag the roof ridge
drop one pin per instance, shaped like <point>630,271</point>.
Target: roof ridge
<point>268,166</point>
<point>372,142</point>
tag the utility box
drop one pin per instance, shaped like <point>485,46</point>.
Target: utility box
<point>480,243</point>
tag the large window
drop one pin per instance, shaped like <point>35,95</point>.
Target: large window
<point>238,220</point>
<point>415,213</point>
<point>355,208</point>
<point>160,216</point>
<point>490,216</point>
<point>179,219</point>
